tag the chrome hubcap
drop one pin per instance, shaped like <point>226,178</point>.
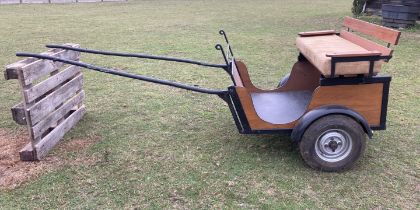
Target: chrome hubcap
<point>333,145</point>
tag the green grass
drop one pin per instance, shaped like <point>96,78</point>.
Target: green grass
<point>167,148</point>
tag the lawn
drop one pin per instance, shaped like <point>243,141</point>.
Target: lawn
<point>158,147</point>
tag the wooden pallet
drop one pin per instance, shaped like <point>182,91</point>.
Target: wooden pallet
<point>52,100</point>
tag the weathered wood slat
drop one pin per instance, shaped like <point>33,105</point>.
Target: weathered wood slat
<point>27,153</point>
<point>47,85</point>
<point>11,69</point>
<point>18,113</point>
<point>48,104</point>
<point>10,74</point>
<point>33,68</point>
<point>48,142</point>
<point>39,68</point>
<point>58,114</point>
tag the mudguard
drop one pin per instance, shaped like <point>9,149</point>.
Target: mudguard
<point>322,111</point>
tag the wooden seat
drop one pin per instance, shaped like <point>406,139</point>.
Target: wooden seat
<point>316,48</point>
<point>347,53</point>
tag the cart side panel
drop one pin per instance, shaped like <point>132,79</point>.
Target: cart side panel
<point>366,99</point>
<point>303,76</point>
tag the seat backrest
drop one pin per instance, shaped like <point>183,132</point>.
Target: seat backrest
<point>388,35</point>
<point>235,75</point>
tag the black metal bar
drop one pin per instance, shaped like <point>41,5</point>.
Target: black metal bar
<point>384,105</point>
<point>219,47</point>
<point>354,80</point>
<point>371,65</point>
<point>239,111</point>
<point>231,66</point>
<point>136,55</point>
<point>234,114</point>
<point>222,32</point>
<point>273,131</point>
<point>361,58</point>
<point>333,62</point>
<point>125,74</point>
<point>301,57</point>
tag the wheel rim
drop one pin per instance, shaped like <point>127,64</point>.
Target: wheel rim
<point>333,145</point>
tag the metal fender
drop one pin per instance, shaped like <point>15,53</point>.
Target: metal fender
<point>322,111</point>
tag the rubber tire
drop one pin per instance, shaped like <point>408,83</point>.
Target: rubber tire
<point>312,133</point>
<point>283,80</point>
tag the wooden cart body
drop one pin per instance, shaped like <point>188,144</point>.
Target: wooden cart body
<point>336,73</point>
<point>306,97</point>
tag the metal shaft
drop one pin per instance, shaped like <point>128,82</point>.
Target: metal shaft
<point>125,74</point>
<point>136,55</point>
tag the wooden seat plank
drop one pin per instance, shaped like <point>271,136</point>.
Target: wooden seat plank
<point>367,44</point>
<point>382,33</point>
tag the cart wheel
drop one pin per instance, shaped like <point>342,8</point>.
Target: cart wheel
<point>283,80</point>
<point>333,143</point>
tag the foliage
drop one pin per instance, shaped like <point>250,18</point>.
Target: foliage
<point>357,8</point>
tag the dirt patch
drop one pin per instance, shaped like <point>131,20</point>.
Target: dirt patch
<point>14,172</point>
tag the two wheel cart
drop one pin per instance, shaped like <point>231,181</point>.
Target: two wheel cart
<point>332,99</point>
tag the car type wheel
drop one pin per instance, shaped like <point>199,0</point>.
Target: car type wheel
<point>333,143</point>
<point>283,80</point>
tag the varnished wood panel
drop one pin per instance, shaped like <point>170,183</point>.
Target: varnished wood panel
<point>366,99</point>
<point>304,76</point>
<point>367,44</point>
<point>383,33</point>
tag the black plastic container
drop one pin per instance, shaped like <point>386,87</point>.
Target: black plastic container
<point>399,16</point>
